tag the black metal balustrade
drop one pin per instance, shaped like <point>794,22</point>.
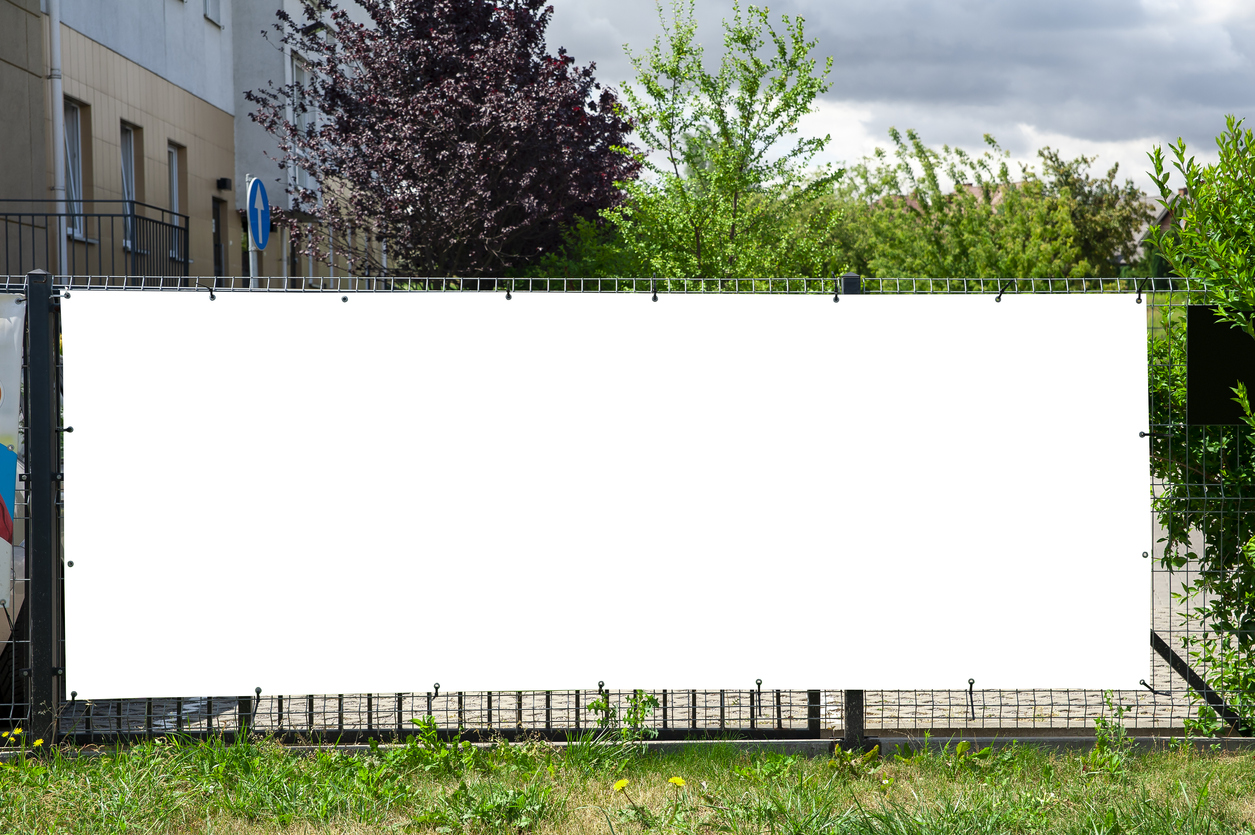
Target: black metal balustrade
<point>103,238</point>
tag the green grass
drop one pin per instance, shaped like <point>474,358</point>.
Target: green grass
<point>169,786</point>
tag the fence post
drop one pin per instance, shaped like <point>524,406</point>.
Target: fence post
<point>244,712</point>
<point>43,474</point>
<point>854,734</point>
<point>812,713</point>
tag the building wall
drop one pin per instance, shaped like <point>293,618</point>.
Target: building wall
<point>260,62</point>
<point>257,63</point>
<point>172,39</point>
<point>23,95</point>
<point>117,90</point>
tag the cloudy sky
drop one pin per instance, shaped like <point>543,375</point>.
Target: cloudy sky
<point>1109,78</point>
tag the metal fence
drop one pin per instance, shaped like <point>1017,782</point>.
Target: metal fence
<point>1170,693</point>
<point>122,238</point>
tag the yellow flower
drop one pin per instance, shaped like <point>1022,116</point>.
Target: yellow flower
<point>38,742</point>
<point>5,735</point>
<point>679,781</point>
<point>621,785</point>
<point>17,731</point>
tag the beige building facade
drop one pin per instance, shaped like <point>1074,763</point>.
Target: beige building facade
<point>143,138</point>
<point>23,94</point>
<point>157,144</point>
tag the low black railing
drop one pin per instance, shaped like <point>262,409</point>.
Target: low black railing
<point>103,237</point>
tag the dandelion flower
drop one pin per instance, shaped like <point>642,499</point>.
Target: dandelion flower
<point>621,785</point>
<point>4,735</point>
<point>17,731</point>
<point>38,742</point>
<point>679,781</point>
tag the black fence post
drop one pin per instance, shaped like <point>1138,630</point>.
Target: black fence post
<point>43,476</point>
<point>812,713</point>
<point>854,730</point>
<point>244,711</point>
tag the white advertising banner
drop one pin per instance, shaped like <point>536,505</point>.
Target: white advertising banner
<point>12,331</point>
<point>313,496</point>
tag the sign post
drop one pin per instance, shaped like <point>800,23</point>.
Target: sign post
<point>258,224</point>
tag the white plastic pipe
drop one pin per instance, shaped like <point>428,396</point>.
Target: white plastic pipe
<point>58,130</point>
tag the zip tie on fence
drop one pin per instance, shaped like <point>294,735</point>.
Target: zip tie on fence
<point>212,297</point>
<point>653,285</point>
<point>971,697</point>
<point>1010,283</point>
<point>256,705</point>
<point>1142,682</point>
<point>508,288</point>
<point>1140,285</point>
<point>759,682</point>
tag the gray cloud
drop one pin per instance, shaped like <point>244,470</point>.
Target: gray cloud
<point>1099,71</point>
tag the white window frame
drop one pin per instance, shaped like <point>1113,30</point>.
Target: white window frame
<point>75,223</point>
<point>127,153</point>
<point>301,75</point>
<point>172,161</point>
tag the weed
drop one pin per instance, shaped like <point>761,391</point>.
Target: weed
<point>1112,745</point>
<point>491,807</point>
<point>766,766</point>
<point>596,752</point>
<point>426,751</point>
<point>631,725</point>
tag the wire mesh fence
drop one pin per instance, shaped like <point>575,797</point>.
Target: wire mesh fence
<point>1187,461</point>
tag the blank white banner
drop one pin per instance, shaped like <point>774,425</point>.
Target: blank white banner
<point>312,496</point>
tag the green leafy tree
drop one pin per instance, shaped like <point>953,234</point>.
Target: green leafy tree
<point>726,200</point>
<point>929,213</point>
<point>1212,239</point>
<point>1106,215</point>
<point>1208,471</point>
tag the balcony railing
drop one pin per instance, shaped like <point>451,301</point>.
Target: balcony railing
<point>103,237</point>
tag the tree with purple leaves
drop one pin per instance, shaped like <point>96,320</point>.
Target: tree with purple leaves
<point>444,129</point>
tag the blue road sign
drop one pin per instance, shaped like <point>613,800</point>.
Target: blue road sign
<point>258,214</point>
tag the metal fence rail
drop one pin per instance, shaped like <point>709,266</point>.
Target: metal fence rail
<point>682,714</point>
<point>1162,707</point>
<point>122,238</point>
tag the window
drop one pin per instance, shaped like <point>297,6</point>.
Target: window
<point>172,157</point>
<point>213,11</point>
<point>128,186</point>
<point>74,170</point>
<point>304,118</point>
<point>175,161</point>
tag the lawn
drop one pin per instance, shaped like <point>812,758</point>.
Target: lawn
<point>169,786</point>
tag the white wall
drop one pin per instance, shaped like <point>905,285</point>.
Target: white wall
<point>257,62</point>
<point>171,38</point>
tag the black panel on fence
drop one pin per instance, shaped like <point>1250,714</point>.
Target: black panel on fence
<point>1218,356</point>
